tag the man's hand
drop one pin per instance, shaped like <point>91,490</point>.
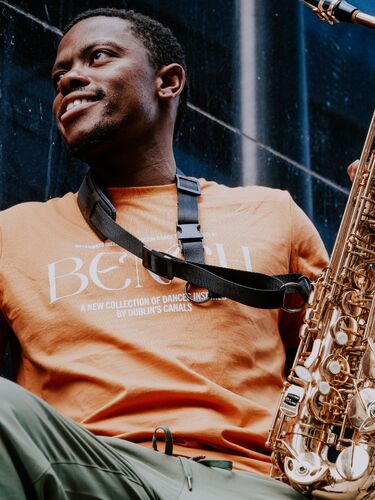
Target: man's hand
<point>352,169</point>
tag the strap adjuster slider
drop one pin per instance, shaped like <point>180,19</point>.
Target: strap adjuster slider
<point>157,262</point>
<point>188,185</point>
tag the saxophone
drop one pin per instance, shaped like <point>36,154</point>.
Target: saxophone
<point>323,433</point>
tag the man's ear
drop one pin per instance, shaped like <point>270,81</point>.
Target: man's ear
<point>170,81</point>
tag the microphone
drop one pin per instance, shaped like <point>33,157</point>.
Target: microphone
<point>338,10</point>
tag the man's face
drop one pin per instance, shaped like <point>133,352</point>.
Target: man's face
<point>105,85</point>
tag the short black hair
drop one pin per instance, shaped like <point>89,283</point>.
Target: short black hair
<point>159,41</point>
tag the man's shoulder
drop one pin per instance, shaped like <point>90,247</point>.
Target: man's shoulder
<point>27,212</point>
<point>244,193</point>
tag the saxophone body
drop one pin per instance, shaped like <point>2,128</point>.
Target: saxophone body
<point>323,433</point>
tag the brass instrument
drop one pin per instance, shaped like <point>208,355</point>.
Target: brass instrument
<point>323,434</point>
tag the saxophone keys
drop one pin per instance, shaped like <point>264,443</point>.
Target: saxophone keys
<point>364,277</point>
<point>352,462</point>
<point>368,361</point>
<point>292,400</point>
<point>353,303</point>
<point>314,353</point>
<point>336,368</point>
<point>344,330</point>
<point>361,410</point>
<point>341,338</point>
<point>324,388</point>
<point>327,406</point>
<point>307,468</point>
<point>303,373</point>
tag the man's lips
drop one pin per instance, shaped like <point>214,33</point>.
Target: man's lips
<point>74,103</point>
<point>76,110</point>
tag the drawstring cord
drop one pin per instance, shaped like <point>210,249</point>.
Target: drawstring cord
<point>187,471</point>
<point>186,463</point>
<point>168,439</point>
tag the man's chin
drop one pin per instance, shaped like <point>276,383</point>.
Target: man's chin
<point>90,143</point>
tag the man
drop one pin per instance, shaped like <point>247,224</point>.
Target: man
<point>113,349</point>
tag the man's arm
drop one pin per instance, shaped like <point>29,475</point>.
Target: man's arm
<point>308,256</point>
<point>290,323</point>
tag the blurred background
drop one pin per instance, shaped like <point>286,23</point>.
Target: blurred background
<point>277,98</point>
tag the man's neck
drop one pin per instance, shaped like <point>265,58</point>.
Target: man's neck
<point>145,166</point>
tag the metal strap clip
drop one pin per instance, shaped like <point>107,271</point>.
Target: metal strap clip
<point>294,299</point>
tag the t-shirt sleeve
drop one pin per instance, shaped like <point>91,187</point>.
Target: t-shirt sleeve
<point>308,256</point>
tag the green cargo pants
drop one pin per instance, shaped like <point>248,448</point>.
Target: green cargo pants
<point>44,455</point>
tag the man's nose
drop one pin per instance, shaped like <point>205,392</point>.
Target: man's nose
<point>72,80</point>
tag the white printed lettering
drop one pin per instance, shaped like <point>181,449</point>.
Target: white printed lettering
<point>221,254</point>
<point>53,277</point>
<point>246,255</point>
<point>94,271</point>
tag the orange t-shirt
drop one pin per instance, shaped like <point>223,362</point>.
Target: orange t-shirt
<point>121,351</point>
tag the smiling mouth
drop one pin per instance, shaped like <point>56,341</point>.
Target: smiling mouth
<point>76,106</point>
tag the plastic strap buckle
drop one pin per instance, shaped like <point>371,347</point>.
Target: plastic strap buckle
<point>157,262</point>
<point>188,185</point>
<point>189,232</point>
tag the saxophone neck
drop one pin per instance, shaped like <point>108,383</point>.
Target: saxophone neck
<point>332,11</point>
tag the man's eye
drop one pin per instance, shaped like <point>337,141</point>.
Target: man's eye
<point>97,54</point>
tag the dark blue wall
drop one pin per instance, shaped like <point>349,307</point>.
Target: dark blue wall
<point>312,98</point>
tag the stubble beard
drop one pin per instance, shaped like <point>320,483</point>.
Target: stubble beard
<point>92,139</point>
<point>98,134</point>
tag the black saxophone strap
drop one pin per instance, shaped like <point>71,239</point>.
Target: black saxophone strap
<point>287,291</point>
<point>188,229</point>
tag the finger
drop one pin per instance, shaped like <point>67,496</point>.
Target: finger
<point>352,169</point>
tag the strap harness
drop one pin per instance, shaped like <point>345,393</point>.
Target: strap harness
<point>287,291</point>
